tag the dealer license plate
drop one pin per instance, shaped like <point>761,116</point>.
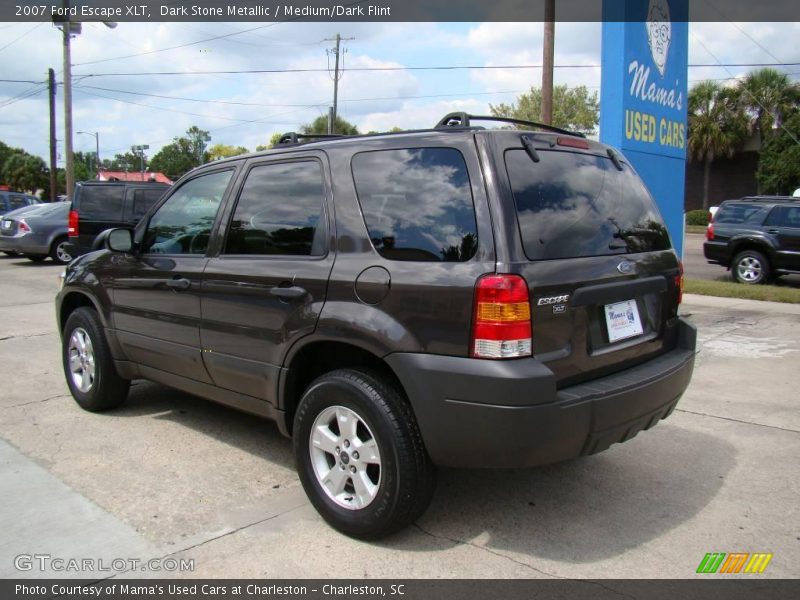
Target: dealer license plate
<point>7,223</point>
<point>622,320</point>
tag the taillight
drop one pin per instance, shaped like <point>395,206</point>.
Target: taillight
<point>679,281</point>
<point>23,227</point>
<point>72,225</point>
<point>501,325</point>
<point>710,231</point>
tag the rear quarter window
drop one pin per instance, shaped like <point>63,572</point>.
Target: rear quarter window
<point>142,199</point>
<point>572,205</point>
<point>101,203</point>
<point>417,203</point>
<point>737,214</point>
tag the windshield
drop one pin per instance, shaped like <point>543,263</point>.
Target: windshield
<point>574,205</point>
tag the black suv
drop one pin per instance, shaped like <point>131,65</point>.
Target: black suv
<point>757,238</point>
<point>456,296</point>
<point>101,205</point>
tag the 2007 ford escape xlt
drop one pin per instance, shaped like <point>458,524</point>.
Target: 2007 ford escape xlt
<point>455,297</point>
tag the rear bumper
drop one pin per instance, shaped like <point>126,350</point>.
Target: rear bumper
<point>716,252</point>
<point>477,413</point>
<point>24,244</point>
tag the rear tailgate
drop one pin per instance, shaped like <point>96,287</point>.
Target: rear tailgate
<point>603,279</point>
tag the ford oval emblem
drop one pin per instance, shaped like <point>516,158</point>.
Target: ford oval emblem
<point>625,267</point>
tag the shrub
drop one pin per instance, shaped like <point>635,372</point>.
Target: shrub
<point>697,217</point>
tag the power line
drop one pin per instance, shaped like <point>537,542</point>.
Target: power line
<point>401,68</point>
<point>16,39</point>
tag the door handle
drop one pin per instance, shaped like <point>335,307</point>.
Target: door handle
<point>179,283</point>
<point>290,293</point>
<point>773,231</point>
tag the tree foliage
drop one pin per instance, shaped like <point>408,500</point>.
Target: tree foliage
<point>25,172</point>
<point>573,108</point>
<point>769,98</point>
<point>220,151</point>
<point>779,166</point>
<point>320,126</point>
<point>183,154</point>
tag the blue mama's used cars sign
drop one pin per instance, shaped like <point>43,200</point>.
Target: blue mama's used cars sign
<point>644,94</point>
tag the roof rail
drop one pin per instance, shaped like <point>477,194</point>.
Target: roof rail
<point>766,198</point>
<point>462,120</point>
<point>295,138</point>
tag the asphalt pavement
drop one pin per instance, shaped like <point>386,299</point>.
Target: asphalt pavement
<point>169,475</point>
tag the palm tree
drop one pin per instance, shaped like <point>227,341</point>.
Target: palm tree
<point>769,97</point>
<point>717,126</point>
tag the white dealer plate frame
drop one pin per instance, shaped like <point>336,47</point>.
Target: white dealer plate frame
<point>622,320</point>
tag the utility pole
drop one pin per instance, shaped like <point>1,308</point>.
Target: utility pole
<point>140,151</point>
<point>336,77</point>
<point>67,28</point>
<point>51,87</point>
<point>96,136</point>
<point>548,52</point>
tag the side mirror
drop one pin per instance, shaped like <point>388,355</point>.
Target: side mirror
<point>119,240</point>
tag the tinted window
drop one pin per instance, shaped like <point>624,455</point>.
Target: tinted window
<point>784,216</point>
<point>143,200</point>
<point>417,203</point>
<point>738,213</point>
<point>100,202</point>
<point>17,202</point>
<point>571,205</point>
<point>279,211</point>
<point>182,225</point>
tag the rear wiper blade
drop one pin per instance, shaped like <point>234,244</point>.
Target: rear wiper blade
<point>530,148</point>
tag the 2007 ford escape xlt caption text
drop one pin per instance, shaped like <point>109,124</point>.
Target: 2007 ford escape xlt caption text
<point>456,297</point>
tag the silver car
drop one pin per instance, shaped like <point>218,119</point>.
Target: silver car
<point>37,232</point>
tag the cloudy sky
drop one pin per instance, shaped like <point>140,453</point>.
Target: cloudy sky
<point>245,109</point>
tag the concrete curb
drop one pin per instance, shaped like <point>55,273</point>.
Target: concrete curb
<point>690,300</point>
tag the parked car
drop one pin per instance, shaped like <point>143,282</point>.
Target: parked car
<point>101,205</point>
<point>13,200</point>
<point>17,213</point>
<point>456,296</point>
<point>37,232</point>
<point>757,238</point>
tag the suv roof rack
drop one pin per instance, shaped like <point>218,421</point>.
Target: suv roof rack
<point>768,199</point>
<point>295,138</point>
<point>462,120</point>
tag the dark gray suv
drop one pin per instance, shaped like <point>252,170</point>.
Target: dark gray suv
<point>457,297</point>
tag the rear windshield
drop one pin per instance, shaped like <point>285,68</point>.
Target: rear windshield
<point>738,213</point>
<point>573,205</point>
<point>100,202</point>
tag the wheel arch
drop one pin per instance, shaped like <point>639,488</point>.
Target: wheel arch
<point>319,356</point>
<point>73,300</point>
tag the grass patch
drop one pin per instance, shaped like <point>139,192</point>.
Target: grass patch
<point>696,228</point>
<point>730,289</point>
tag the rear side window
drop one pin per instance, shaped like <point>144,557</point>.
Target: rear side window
<point>735,214</point>
<point>101,203</point>
<point>280,211</point>
<point>573,205</point>
<point>142,200</point>
<point>784,216</point>
<point>417,203</point>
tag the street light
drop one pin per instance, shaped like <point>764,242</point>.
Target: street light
<point>140,151</point>
<point>96,136</point>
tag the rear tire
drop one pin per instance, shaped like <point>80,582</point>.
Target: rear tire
<point>88,364</point>
<point>59,253</point>
<point>386,486</point>
<point>751,268</point>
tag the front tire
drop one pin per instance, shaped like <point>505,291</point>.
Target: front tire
<point>88,364</point>
<point>751,267</point>
<point>360,455</point>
